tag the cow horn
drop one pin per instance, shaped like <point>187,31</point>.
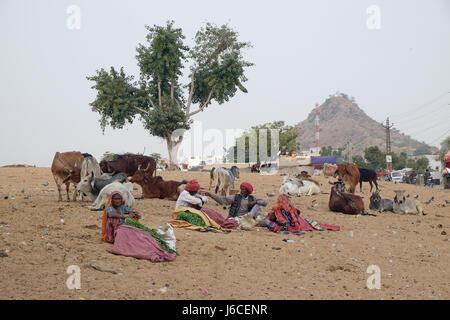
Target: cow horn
<point>139,167</point>
<point>148,166</point>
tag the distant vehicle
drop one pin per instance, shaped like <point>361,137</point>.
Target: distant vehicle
<point>397,176</point>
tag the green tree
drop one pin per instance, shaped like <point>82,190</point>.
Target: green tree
<point>359,161</point>
<point>158,98</point>
<point>376,159</point>
<point>326,151</point>
<point>399,161</point>
<point>287,136</point>
<point>156,156</point>
<point>421,150</point>
<point>421,165</point>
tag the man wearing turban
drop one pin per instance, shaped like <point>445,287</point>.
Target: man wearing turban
<point>242,203</point>
<point>190,198</point>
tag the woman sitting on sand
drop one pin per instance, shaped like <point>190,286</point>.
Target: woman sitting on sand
<point>114,215</point>
<point>285,218</point>
<point>242,203</point>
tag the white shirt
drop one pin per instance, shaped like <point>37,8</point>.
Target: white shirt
<point>186,200</point>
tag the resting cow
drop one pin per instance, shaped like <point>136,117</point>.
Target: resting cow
<point>349,174</point>
<point>91,186</point>
<point>66,169</point>
<point>125,189</point>
<point>156,187</point>
<point>341,201</point>
<point>298,187</point>
<point>404,205</point>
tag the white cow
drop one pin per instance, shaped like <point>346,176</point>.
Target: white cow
<point>125,188</point>
<point>298,187</point>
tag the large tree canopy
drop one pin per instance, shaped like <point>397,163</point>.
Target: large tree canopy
<point>163,103</point>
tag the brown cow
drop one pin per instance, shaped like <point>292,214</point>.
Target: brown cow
<point>66,168</point>
<point>345,202</point>
<point>156,187</point>
<point>349,173</point>
<point>129,164</point>
<point>329,170</point>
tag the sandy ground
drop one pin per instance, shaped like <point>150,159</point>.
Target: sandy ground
<point>412,252</point>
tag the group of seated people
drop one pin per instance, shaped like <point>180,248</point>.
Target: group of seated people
<point>283,216</point>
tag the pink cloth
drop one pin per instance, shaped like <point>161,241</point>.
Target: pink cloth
<point>137,243</point>
<point>218,218</point>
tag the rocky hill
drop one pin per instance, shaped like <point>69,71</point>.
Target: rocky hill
<point>342,121</point>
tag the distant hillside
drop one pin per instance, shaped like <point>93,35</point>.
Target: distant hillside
<point>341,120</point>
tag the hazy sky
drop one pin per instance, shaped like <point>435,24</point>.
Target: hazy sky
<point>303,51</point>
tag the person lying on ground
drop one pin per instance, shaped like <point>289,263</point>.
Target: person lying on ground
<point>242,203</point>
<point>189,197</point>
<point>114,215</point>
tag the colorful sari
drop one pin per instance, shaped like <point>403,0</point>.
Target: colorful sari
<point>109,224</point>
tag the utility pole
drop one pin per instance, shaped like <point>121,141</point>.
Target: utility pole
<point>388,143</point>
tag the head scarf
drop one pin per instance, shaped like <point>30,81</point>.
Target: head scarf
<point>192,185</point>
<point>247,186</point>
<point>104,212</point>
<point>282,202</point>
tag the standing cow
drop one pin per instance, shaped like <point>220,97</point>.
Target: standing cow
<point>66,169</point>
<point>367,175</point>
<point>349,174</point>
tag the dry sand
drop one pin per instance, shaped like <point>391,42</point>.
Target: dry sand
<point>412,252</point>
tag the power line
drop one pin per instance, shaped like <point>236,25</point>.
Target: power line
<point>415,117</point>
<point>423,105</point>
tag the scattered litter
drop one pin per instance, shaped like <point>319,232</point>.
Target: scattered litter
<point>351,234</point>
<point>61,217</point>
<point>302,241</point>
<point>389,275</point>
<point>299,250</point>
<point>204,291</point>
<point>420,246</point>
<point>23,243</point>
<point>334,244</point>
<point>45,184</point>
<point>28,196</point>
<point>439,225</point>
<point>81,298</point>
<point>394,232</point>
<point>220,248</point>
<point>3,255</point>
<point>62,220</point>
<point>23,190</point>
<point>390,260</point>
<point>5,197</point>
<point>15,207</point>
<point>276,248</point>
<point>163,290</point>
<point>153,283</point>
<point>7,250</point>
<point>24,292</point>
<point>444,233</point>
<point>47,233</point>
<point>288,240</point>
<point>310,254</point>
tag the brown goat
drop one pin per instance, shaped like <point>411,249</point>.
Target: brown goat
<point>345,202</point>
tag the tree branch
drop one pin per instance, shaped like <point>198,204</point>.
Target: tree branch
<point>159,93</point>
<point>201,108</point>
<point>171,90</point>
<point>191,93</point>
<point>141,110</point>
<point>151,102</point>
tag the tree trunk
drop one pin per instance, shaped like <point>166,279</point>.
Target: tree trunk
<point>172,148</point>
